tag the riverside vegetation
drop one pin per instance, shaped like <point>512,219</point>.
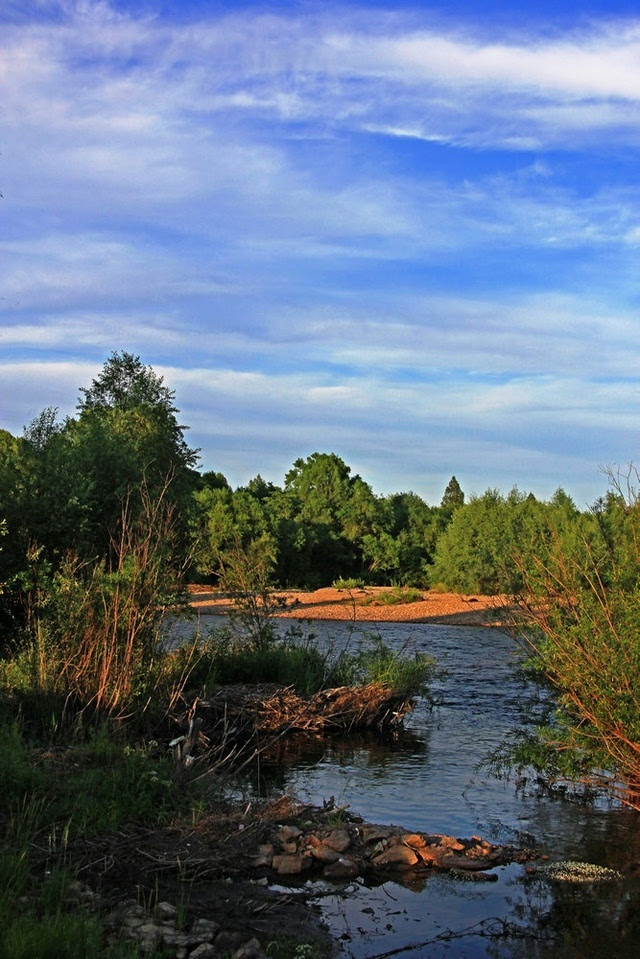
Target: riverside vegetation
<point>104,519</point>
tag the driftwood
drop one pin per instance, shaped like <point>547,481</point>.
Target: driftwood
<point>275,709</point>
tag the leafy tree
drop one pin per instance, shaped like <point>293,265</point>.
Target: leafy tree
<point>126,435</point>
<point>64,486</point>
<point>321,486</point>
<point>492,539</point>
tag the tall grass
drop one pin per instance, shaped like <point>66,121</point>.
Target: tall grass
<point>295,661</point>
<point>94,629</point>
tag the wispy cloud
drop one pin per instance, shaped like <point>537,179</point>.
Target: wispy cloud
<point>329,227</point>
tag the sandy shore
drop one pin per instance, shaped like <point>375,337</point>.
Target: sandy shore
<point>363,605</point>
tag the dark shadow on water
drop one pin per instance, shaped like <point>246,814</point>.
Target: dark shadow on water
<point>362,750</point>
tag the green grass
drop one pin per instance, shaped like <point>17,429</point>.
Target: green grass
<point>296,662</point>
<point>375,662</point>
<point>396,596</point>
<point>349,583</point>
<point>52,798</point>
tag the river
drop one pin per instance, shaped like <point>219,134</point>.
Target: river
<point>427,778</point>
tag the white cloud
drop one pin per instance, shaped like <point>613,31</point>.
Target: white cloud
<point>243,194</point>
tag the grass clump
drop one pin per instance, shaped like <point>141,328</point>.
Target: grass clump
<point>349,583</point>
<point>375,662</point>
<point>396,596</point>
<point>294,661</point>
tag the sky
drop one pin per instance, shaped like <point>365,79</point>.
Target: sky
<point>406,233</point>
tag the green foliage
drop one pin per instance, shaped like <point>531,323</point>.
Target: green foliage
<point>52,801</point>
<point>92,631</point>
<point>453,495</point>
<point>376,662</point>
<point>294,661</point>
<point>64,486</point>
<point>397,596</point>
<point>349,583</point>
<point>581,607</point>
<point>493,540</point>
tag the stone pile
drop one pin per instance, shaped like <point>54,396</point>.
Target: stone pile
<point>357,849</point>
<point>204,938</point>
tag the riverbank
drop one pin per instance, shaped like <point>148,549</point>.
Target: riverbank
<point>367,605</point>
<point>246,881</point>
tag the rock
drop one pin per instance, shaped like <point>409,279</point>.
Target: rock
<point>324,853</point>
<point>375,833</point>
<point>149,936</point>
<point>77,891</point>
<point>414,840</point>
<point>166,910</point>
<point>341,870</point>
<point>204,951</point>
<point>264,857</point>
<point>429,855</point>
<point>205,929</point>
<point>177,940</point>
<point>339,840</point>
<point>289,846</point>
<point>228,942</point>
<point>250,950</point>
<point>288,865</point>
<point>448,842</point>
<point>287,833</point>
<point>399,855</point>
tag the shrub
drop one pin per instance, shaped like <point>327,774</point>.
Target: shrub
<point>580,621</point>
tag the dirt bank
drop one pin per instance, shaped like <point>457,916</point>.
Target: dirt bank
<point>368,606</point>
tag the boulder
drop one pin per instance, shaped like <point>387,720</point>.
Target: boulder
<point>448,842</point>
<point>250,950</point>
<point>288,865</point>
<point>414,840</point>
<point>205,929</point>
<point>324,853</point>
<point>398,855</point>
<point>287,833</point>
<point>341,870</point>
<point>339,840</point>
<point>204,951</point>
<point>166,910</point>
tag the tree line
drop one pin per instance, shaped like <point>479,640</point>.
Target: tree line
<point>104,516</point>
<point>64,487</point>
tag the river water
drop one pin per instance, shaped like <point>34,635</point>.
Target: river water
<point>427,778</point>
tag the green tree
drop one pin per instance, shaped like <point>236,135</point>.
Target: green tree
<point>321,486</point>
<point>65,486</point>
<point>127,435</point>
<point>453,495</point>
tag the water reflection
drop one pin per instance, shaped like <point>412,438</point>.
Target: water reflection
<point>366,757</point>
<point>428,779</point>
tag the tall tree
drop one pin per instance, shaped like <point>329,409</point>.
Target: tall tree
<point>453,495</point>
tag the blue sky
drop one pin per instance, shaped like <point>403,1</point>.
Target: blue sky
<point>407,233</point>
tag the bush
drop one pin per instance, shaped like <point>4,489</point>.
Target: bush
<point>580,621</point>
<point>93,634</point>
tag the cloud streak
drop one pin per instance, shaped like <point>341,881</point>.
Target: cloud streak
<point>330,227</point>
